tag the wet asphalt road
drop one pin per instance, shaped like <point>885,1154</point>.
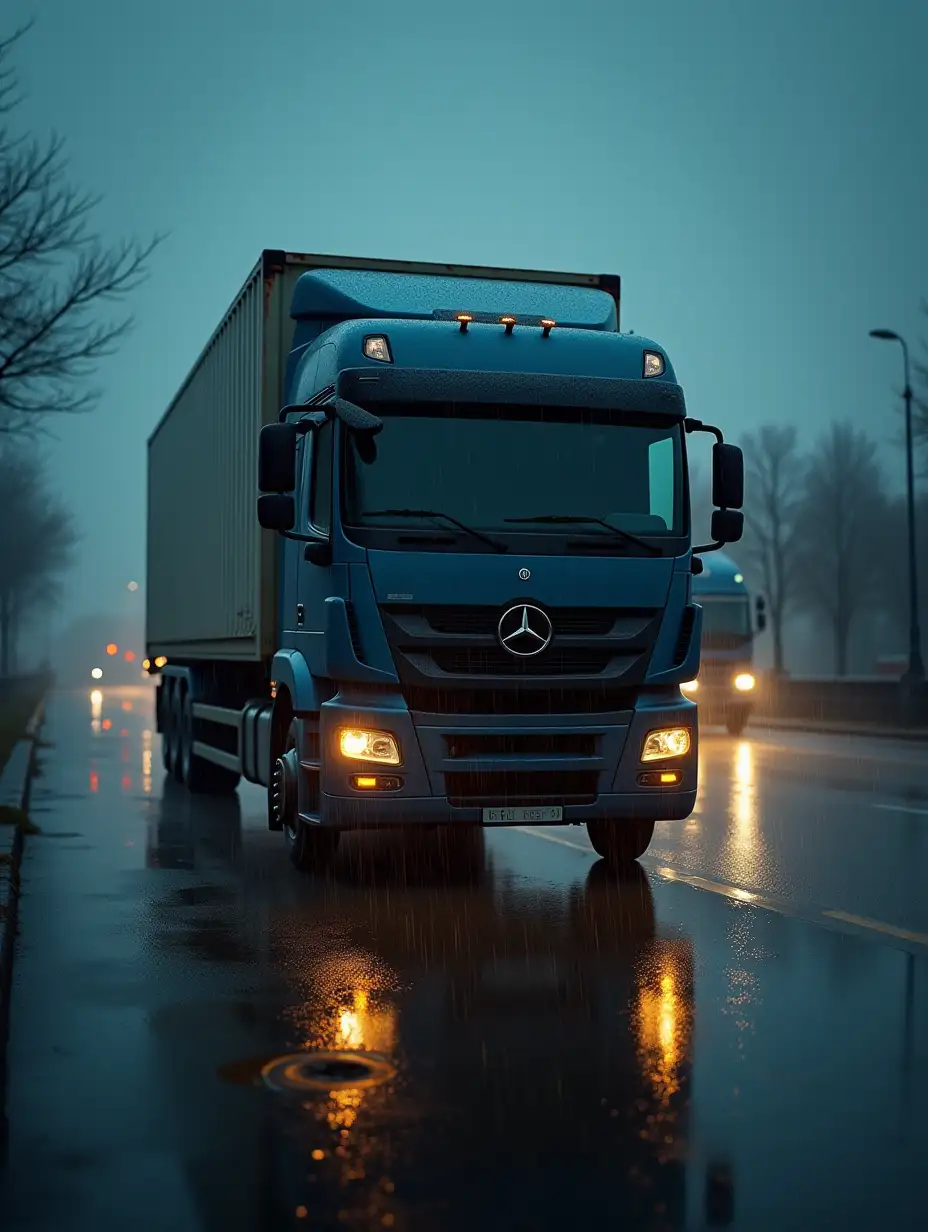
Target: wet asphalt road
<point>737,1036</point>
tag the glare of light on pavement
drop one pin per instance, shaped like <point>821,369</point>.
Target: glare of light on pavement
<point>741,848</point>
<point>662,1022</point>
<point>94,781</point>
<point>146,762</point>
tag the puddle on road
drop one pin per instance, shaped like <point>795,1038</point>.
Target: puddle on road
<point>312,1071</point>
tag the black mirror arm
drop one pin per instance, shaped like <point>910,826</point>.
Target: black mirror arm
<point>299,538</point>
<point>707,547</point>
<point>696,425</point>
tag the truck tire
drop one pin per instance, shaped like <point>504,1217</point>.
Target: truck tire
<point>736,722</point>
<point>620,842</point>
<point>175,728</point>
<point>196,773</point>
<point>164,707</point>
<point>311,848</point>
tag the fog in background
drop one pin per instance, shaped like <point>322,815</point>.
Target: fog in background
<point>756,174</point>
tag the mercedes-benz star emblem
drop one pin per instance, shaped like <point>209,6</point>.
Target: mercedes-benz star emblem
<point>524,630</point>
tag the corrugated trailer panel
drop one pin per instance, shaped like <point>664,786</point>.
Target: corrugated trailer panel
<point>211,584</point>
<point>212,571</point>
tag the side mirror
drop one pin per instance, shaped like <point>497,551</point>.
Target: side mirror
<point>727,479</point>
<point>276,512</point>
<point>761,608</point>
<point>277,460</point>
<point>727,525</point>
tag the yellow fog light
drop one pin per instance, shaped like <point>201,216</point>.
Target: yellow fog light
<point>690,687</point>
<point>666,742</point>
<point>744,683</point>
<point>362,745</point>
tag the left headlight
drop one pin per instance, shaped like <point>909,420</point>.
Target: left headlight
<point>666,742</point>
<point>359,744</point>
<point>744,683</point>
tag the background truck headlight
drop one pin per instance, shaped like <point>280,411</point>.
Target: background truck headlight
<point>359,744</point>
<point>744,683</point>
<point>666,742</point>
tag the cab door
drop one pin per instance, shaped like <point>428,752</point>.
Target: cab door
<point>315,582</point>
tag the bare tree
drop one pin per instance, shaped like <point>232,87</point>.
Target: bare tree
<point>56,276</point>
<point>33,555</point>
<point>839,556</point>
<point>774,472</point>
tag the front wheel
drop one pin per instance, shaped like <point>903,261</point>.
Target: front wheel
<point>620,842</point>
<point>311,847</point>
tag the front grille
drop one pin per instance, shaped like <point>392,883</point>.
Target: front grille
<point>712,640</point>
<point>503,788</point>
<point>522,744</point>
<point>594,699</point>
<point>494,661</point>
<point>484,621</point>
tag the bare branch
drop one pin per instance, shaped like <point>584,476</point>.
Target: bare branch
<point>57,278</point>
<point>774,472</point>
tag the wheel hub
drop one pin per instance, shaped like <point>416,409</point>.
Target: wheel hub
<point>284,789</point>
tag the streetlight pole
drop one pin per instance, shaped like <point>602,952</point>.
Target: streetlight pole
<point>914,677</point>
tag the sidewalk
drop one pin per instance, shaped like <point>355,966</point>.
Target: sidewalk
<point>837,727</point>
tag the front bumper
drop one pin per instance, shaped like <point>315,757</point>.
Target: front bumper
<point>367,812</point>
<point>432,776</point>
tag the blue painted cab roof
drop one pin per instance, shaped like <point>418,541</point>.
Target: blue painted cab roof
<point>331,294</point>
<point>483,348</point>
<point>718,576</point>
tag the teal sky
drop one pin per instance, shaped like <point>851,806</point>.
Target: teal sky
<point>758,175</point>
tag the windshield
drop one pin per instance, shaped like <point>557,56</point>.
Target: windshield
<point>725,617</point>
<point>488,465</point>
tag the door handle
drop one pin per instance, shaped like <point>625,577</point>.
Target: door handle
<point>299,613</point>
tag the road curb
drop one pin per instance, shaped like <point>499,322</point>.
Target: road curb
<point>15,788</point>
<point>915,735</point>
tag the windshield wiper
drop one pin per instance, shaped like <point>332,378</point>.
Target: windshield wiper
<point>435,513</point>
<point>557,519</point>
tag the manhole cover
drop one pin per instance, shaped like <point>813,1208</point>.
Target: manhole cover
<point>326,1071</point>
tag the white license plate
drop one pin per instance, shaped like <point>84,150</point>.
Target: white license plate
<point>519,816</point>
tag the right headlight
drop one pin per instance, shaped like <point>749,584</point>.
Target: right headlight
<point>666,742</point>
<point>359,744</point>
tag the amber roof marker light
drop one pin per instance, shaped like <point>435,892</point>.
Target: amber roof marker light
<point>546,326</point>
<point>509,322</point>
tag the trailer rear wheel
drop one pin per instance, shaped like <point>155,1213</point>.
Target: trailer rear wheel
<point>164,707</point>
<point>197,774</point>
<point>621,841</point>
<point>176,729</point>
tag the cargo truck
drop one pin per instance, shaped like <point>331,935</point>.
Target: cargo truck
<point>466,596</point>
<point>724,689</point>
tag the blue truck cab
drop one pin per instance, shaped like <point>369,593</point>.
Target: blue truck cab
<point>724,687</point>
<point>483,606</point>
